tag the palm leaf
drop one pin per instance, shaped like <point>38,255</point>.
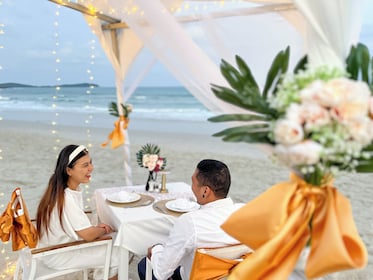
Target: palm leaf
<point>301,65</point>
<point>278,68</point>
<point>239,117</point>
<point>246,133</point>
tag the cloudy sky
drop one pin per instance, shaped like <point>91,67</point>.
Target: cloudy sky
<point>28,39</point>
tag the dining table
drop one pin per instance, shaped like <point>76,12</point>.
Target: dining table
<point>142,223</point>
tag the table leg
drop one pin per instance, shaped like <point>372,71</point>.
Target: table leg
<point>123,268</point>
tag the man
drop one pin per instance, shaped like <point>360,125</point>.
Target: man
<point>201,228</point>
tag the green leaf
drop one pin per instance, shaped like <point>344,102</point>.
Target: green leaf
<point>246,73</point>
<point>301,65</point>
<point>239,117</point>
<point>278,68</point>
<point>231,74</point>
<point>357,63</point>
<point>365,167</point>
<point>247,133</point>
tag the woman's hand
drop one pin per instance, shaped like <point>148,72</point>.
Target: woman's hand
<point>107,228</point>
<point>94,232</point>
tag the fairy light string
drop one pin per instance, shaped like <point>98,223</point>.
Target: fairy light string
<point>55,96</point>
<point>9,264</point>
<point>88,107</point>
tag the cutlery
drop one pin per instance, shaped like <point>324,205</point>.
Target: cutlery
<point>160,209</point>
<point>145,203</point>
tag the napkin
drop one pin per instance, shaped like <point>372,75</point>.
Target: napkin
<point>183,204</point>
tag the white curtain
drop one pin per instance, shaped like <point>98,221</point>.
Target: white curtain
<point>332,27</point>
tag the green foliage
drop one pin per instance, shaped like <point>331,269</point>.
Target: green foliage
<point>113,109</point>
<point>151,149</point>
<point>245,93</point>
<point>359,64</point>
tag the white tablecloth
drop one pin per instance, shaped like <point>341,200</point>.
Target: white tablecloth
<point>139,227</point>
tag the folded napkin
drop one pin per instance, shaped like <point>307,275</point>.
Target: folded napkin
<point>183,204</point>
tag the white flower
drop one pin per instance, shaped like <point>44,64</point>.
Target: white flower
<point>149,161</point>
<point>371,107</point>
<point>310,115</point>
<point>304,153</point>
<point>361,130</point>
<point>288,132</point>
<point>351,99</point>
<point>314,93</point>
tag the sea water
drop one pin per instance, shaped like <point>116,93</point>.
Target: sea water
<point>156,103</point>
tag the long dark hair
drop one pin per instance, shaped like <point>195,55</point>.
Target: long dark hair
<point>214,174</point>
<point>54,195</point>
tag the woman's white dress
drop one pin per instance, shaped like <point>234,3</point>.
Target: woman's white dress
<point>74,219</point>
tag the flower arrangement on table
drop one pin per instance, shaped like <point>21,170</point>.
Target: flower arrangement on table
<point>149,157</point>
<point>317,122</point>
<point>116,136</point>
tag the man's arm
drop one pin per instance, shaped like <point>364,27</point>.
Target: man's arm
<point>180,242</point>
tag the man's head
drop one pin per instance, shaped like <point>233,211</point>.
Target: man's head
<point>210,181</point>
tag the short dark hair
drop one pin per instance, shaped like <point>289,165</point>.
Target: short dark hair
<point>214,174</point>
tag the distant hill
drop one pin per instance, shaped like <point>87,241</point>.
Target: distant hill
<point>17,85</point>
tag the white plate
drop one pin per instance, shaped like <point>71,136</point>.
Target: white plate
<point>182,205</point>
<point>123,197</point>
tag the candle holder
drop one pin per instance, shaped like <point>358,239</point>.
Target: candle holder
<point>163,182</point>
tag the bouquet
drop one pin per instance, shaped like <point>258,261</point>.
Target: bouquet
<point>149,157</point>
<point>317,122</point>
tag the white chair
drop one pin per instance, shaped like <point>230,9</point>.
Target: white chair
<point>29,261</point>
<point>231,252</point>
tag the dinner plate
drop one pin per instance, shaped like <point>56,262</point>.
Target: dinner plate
<point>182,205</point>
<point>123,197</point>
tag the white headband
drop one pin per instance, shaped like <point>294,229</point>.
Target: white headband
<point>75,153</point>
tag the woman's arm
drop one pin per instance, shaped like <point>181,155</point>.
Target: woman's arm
<point>94,232</point>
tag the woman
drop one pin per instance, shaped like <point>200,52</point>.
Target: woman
<point>61,217</point>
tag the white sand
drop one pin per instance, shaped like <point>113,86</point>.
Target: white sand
<point>28,158</point>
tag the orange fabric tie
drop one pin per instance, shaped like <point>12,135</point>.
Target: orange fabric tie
<point>116,136</point>
<point>207,267</point>
<point>19,227</point>
<point>280,222</point>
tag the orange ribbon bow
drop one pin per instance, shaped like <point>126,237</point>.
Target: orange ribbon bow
<point>116,136</point>
<point>15,222</point>
<point>280,222</point>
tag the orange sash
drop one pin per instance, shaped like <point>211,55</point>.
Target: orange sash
<point>116,136</point>
<point>280,222</point>
<point>17,224</point>
<point>207,267</point>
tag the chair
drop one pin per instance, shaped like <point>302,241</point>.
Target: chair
<point>15,222</point>
<point>30,263</point>
<point>212,263</point>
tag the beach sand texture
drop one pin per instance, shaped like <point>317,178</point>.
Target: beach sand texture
<point>28,158</point>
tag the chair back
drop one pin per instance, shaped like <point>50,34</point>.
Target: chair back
<point>216,263</point>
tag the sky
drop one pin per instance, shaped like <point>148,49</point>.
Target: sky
<point>27,39</point>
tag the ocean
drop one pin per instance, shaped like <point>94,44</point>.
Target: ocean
<point>156,103</point>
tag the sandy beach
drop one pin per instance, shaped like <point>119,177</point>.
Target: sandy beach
<point>28,157</point>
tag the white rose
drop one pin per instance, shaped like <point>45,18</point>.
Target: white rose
<point>304,153</point>
<point>149,161</point>
<point>361,130</point>
<point>314,116</point>
<point>313,93</point>
<point>351,98</point>
<point>371,107</point>
<point>288,132</point>
<point>307,152</point>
